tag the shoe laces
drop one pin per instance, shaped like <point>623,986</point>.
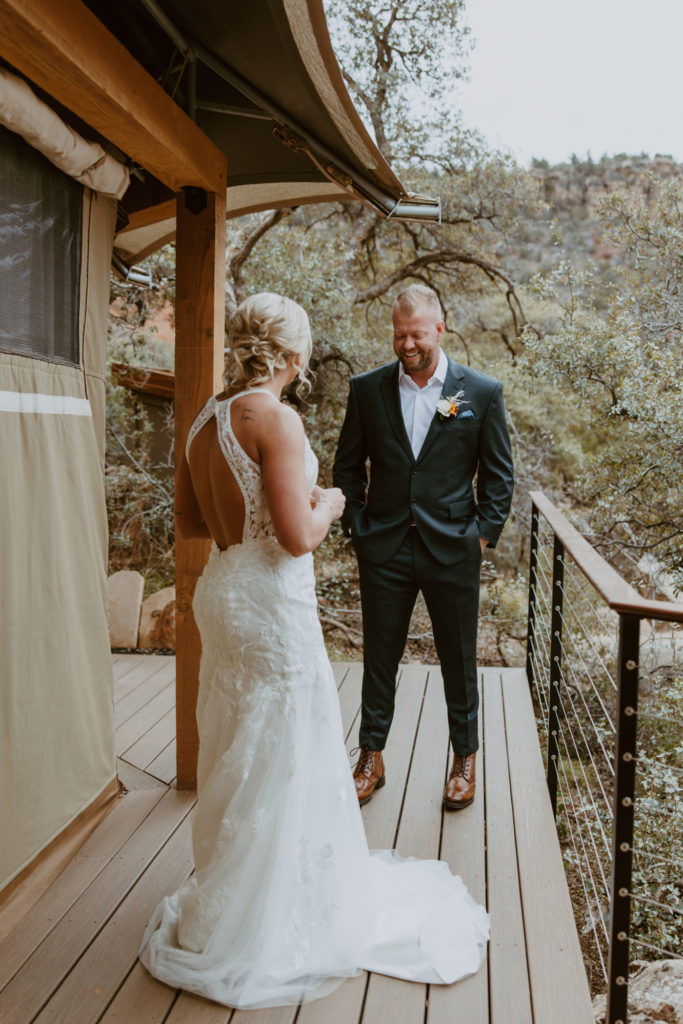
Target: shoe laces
<point>462,766</point>
<point>365,762</point>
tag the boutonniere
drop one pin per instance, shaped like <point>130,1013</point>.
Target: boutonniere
<point>448,406</point>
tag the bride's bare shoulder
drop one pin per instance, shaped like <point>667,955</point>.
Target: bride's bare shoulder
<point>266,418</point>
<point>285,423</point>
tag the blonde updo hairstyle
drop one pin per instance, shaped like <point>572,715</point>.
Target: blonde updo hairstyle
<point>263,332</point>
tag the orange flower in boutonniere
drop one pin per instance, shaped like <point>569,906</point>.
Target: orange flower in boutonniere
<point>448,406</point>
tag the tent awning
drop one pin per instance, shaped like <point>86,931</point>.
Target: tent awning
<point>262,82</point>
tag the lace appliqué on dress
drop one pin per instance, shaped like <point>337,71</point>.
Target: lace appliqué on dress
<point>313,907</point>
<point>247,473</point>
<point>201,420</point>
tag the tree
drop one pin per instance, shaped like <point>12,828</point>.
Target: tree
<point>402,76</point>
<point>400,72</point>
<point>622,364</point>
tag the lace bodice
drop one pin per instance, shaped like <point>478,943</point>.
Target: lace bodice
<point>247,473</point>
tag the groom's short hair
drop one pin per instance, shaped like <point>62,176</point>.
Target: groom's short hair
<point>418,295</point>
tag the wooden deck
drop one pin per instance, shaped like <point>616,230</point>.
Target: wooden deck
<point>72,959</point>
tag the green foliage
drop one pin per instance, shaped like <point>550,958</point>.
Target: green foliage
<point>658,842</point>
<point>585,825</point>
<point>622,364</point>
<point>587,703</point>
<point>398,77</point>
<point>138,493</point>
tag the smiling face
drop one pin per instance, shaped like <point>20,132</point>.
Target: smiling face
<point>417,340</point>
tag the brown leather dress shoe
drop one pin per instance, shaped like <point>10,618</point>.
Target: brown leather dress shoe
<point>459,791</point>
<point>368,774</point>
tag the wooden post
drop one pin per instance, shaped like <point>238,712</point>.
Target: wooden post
<point>199,342</point>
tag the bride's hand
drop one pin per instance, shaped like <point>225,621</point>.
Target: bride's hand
<point>331,496</point>
<point>316,495</point>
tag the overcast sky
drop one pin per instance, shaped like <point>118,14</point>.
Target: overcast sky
<point>551,78</point>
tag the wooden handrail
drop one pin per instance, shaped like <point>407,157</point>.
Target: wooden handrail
<point>619,595</point>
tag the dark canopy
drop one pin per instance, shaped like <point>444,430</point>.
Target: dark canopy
<point>262,81</point>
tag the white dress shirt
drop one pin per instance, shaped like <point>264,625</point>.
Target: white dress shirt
<point>418,405</point>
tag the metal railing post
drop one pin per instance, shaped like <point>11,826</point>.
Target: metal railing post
<point>531,642</point>
<point>555,669</point>
<point>622,834</point>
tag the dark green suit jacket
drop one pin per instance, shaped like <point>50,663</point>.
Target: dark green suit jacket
<point>434,490</point>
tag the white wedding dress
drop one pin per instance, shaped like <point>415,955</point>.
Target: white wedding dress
<point>286,901</point>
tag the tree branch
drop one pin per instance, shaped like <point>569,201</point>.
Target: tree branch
<point>237,257</point>
<point>442,260</point>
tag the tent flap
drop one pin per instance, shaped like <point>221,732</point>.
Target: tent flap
<point>22,112</point>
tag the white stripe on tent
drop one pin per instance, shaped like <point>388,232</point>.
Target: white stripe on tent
<point>64,405</point>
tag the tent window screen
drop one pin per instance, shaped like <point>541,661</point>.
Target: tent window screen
<point>40,254</point>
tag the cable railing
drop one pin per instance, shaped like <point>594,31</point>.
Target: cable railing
<point>605,668</point>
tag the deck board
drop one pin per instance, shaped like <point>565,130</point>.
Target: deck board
<point>349,697</point>
<point>418,834</point>
<point>551,937</point>
<point>123,665</point>
<point>74,933</point>
<point>274,1015</point>
<point>127,706</point>
<point>140,998</point>
<point>73,958</point>
<point>463,847</point>
<point>88,988</point>
<point>509,985</point>
<point>135,727</point>
<point>153,742</point>
<point>139,674</point>
<point>163,767</point>
<point>95,854</point>
<point>381,814</point>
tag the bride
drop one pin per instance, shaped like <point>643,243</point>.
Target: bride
<point>286,900</point>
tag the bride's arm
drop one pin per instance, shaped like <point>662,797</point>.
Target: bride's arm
<point>281,443</point>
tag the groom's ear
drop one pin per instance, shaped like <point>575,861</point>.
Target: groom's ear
<point>440,328</point>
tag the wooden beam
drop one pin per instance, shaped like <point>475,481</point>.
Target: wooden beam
<point>150,215</point>
<point>200,327</point>
<point>159,243</point>
<point>67,51</point>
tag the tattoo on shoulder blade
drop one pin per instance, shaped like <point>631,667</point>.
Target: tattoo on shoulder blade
<point>246,414</point>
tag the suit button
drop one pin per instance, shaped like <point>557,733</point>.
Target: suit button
<point>413,502</point>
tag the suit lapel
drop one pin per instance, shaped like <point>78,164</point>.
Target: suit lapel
<point>451,386</point>
<point>392,404</point>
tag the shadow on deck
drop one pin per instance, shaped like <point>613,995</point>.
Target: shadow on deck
<point>73,957</point>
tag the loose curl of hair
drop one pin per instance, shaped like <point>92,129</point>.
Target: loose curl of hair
<point>263,333</point>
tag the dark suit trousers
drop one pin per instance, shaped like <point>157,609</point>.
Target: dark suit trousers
<point>388,595</point>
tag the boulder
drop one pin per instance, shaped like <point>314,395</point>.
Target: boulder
<point>157,621</point>
<point>125,600</point>
<point>655,994</point>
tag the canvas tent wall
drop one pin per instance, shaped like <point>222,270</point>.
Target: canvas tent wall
<point>56,750</point>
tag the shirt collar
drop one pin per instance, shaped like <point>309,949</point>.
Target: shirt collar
<point>438,377</point>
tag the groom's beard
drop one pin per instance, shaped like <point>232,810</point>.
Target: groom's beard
<point>423,362</point>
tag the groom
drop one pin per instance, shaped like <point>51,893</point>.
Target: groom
<point>427,425</point>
